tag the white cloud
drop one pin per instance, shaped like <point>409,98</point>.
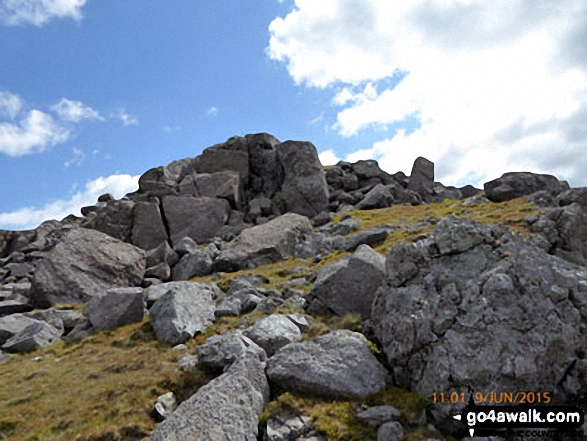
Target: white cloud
<point>34,133</point>
<point>31,217</point>
<point>10,105</point>
<point>75,111</point>
<point>212,111</point>
<point>497,86</point>
<point>328,157</point>
<point>39,12</point>
<point>127,119</point>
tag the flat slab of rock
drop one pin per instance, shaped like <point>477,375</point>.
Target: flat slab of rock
<point>276,240</point>
<point>273,332</point>
<point>12,325</point>
<point>227,408</point>
<point>336,365</point>
<point>35,335</point>
<point>83,264</point>
<point>8,307</point>
<point>184,309</point>
<point>349,285</point>
<point>116,307</point>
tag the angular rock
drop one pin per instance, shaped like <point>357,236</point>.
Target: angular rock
<point>336,365</point>
<point>197,218</point>
<point>227,408</point>
<point>224,184</point>
<point>64,320</point>
<point>231,306</point>
<point>220,351</point>
<point>276,240</point>
<point>283,429</point>
<point>372,236</point>
<point>266,172</point>
<point>390,432</point>
<point>165,405</point>
<point>378,197</point>
<point>368,171</point>
<point>422,177</point>
<point>148,230</point>
<point>11,325</point>
<point>19,270</point>
<point>84,264</point>
<point>378,415</point>
<point>304,188</point>
<point>573,196</point>
<point>116,307</point>
<point>231,156</point>
<point>115,220</point>
<point>163,253</point>
<point>196,264</point>
<point>492,312</point>
<point>184,309</point>
<point>349,285</point>
<point>515,184</point>
<point>158,181</point>
<point>273,332</point>
<point>161,271</point>
<point>185,245</point>
<point>39,334</point>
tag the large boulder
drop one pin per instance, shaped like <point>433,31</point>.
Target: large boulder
<point>304,188</point>
<point>182,311</point>
<point>230,156</point>
<point>349,285</point>
<point>422,177</point>
<point>84,264</point>
<point>335,365</point>
<point>115,220</point>
<point>148,229</point>
<point>515,184</point>
<point>273,332</point>
<point>158,181</point>
<point>266,172</point>
<point>114,308</point>
<point>227,408</point>
<point>220,351</point>
<point>11,325</point>
<point>276,240</point>
<point>478,307</point>
<point>197,218</point>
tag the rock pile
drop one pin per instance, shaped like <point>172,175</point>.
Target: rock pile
<point>470,306</point>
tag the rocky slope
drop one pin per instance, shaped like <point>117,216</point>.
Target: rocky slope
<point>252,294</point>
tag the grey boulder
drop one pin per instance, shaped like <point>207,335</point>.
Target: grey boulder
<point>84,264</point>
<point>349,285</point>
<point>12,325</point>
<point>304,188</point>
<point>273,332</point>
<point>148,229</point>
<point>336,365</point>
<point>515,184</point>
<point>182,311</point>
<point>227,408</point>
<point>220,351</point>
<point>422,177</point>
<point>116,307</point>
<point>39,334</point>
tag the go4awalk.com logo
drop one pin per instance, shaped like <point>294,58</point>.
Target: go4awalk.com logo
<point>552,422</point>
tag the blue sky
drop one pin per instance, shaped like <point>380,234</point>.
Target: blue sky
<point>94,93</point>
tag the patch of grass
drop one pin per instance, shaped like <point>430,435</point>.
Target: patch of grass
<point>103,387</point>
<point>336,419</point>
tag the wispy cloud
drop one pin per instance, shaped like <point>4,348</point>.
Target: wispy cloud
<point>39,12</point>
<point>316,120</point>
<point>127,119</point>
<point>212,111</point>
<point>75,111</point>
<point>77,158</point>
<point>31,217</point>
<point>169,129</point>
<point>473,72</point>
<point>10,105</point>
<point>34,133</point>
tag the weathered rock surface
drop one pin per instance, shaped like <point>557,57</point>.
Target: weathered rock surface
<point>114,308</point>
<point>197,218</point>
<point>304,189</point>
<point>220,351</point>
<point>148,229</point>
<point>349,285</point>
<point>11,325</point>
<point>84,264</point>
<point>115,220</point>
<point>182,311</point>
<point>336,365</point>
<point>516,184</point>
<point>38,334</point>
<point>476,306</point>
<point>273,332</point>
<point>276,240</point>
<point>422,177</point>
<point>227,408</point>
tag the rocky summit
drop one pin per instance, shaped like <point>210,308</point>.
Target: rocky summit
<point>250,293</point>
